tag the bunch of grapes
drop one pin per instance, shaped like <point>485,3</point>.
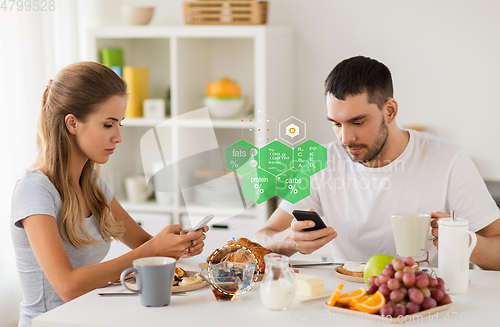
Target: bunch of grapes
<point>406,289</point>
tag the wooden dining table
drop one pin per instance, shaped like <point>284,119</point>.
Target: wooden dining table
<point>479,306</point>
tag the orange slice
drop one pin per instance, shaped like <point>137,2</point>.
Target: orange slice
<point>360,299</point>
<point>347,297</point>
<point>333,298</point>
<point>372,305</point>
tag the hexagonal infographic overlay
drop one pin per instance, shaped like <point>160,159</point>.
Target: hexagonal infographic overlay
<point>259,185</point>
<point>293,185</point>
<point>276,169</point>
<point>292,130</point>
<point>310,157</point>
<point>276,157</point>
<point>242,157</point>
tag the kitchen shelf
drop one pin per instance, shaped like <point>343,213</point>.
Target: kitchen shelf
<point>216,123</point>
<point>185,59</point>
<point>154,207</point>
<point>222,212</point>
<point>149,206</point>
<point>180,31</point>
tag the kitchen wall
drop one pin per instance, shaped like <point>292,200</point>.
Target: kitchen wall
<point>443,55</point>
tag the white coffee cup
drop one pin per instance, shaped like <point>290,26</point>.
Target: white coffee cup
<point>454,253</point>
<point>154,108</point>
<point>410,233</point>
<point>137,189</point>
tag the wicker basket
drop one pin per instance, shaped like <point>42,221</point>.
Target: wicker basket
<point>225,12</point>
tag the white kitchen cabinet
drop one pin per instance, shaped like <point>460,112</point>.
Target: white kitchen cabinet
<point>186,59</point>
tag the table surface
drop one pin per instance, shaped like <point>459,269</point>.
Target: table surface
<point>480,305</point>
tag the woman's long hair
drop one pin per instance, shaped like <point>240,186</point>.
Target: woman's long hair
<point>77,89</point>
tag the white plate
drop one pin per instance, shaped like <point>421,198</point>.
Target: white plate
<point>304,299</point>
<point>349,278</point>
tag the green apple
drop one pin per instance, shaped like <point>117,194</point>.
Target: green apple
<point>375,265</point>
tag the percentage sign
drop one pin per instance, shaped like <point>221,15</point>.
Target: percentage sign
<point>233,163</point>
<point>259,188</point>
<point>293,189</point>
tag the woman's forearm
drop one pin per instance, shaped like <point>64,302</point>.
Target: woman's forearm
<point>83,280</point>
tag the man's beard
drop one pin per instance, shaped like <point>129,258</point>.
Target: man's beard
<point>373,151</point>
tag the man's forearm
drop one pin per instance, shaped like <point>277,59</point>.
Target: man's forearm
<point>487,252</point>
<point>278,242</point>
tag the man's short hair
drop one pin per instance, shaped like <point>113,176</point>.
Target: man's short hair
<point>360,74</point>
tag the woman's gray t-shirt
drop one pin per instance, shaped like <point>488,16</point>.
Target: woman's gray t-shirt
<point>34,194</point>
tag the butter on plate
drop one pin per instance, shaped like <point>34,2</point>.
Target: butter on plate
<point>309,285</point>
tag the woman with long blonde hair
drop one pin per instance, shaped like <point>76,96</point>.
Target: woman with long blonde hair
<point>63,213</point>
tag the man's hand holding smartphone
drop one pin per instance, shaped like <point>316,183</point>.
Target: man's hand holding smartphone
<point>309,232</point>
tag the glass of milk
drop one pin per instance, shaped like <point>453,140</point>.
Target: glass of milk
<point>277,289</point>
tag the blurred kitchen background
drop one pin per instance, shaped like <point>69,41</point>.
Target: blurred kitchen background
<point>443,55</point>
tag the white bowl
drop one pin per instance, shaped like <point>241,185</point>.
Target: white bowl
<point>135,15</point>
<point>224,107</point>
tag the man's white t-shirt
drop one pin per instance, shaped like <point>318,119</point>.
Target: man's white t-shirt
<point>430,175</point>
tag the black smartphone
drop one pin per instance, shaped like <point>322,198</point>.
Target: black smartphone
<point>309,215</point>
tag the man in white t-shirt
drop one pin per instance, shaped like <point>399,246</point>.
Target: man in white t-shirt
<point>376,169</point>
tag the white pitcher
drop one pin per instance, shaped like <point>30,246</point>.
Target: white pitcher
<point>278,286</point>
<point>454,253</point>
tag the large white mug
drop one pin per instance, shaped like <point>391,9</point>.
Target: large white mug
<point>410,233</point>
<point>137,189</point>
<point>454,252</point>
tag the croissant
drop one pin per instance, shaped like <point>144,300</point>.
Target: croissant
<point>179,273</point>
<point>241,250</point>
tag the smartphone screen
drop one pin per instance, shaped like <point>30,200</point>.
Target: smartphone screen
<point>202,223</point>
<point>309,215</point>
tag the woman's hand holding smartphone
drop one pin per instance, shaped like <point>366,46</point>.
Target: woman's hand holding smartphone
<point>202,223</point>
